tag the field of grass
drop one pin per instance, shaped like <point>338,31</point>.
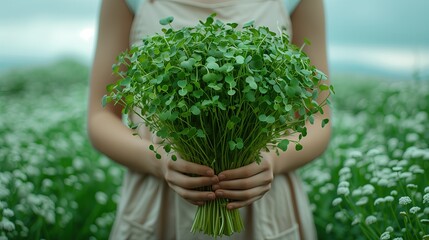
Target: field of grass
<point>372,183</point>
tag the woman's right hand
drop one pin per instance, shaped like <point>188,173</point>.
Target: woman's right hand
<point>178,176</point>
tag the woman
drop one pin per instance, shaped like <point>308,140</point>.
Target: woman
<point>157,198</point>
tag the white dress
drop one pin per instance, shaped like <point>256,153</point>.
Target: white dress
<point>148,208</point>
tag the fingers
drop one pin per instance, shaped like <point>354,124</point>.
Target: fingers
<point>183,166</point>
<point>244,172</point>
<point>240,204</point>
<point>188,182</point>
<point>244,185</point>
<point>178,176</point>
<point>194,196</point>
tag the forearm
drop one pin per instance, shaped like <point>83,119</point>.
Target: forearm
<point>116,141</point>
<point>314,144</point>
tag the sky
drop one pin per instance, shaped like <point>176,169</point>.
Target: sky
<point>379,37</point>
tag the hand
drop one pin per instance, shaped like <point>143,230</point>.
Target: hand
<point>245,184</point>
<point>177,174</point>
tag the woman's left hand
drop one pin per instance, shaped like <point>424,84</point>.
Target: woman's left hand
<point>246,184</point>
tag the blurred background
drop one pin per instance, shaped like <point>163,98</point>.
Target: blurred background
<point>383,38</point>
<point>54,185</point>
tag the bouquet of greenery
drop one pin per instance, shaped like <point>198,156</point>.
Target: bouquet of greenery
<point>218,96</point>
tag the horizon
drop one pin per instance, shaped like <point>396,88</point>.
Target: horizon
<point>355,43</point>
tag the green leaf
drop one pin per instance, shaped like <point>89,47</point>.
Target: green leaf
<point>212,65</point>
<point>239,143</point>
<point>211,77</point>
<point>151,147</point>
<point>230,125</point>
<point>201,134</point>
<point>195,110</point>
<point>167,148</point>
<point>248,24</point>
<point>183,92</point>
<point>270,119</point>
<point>174,157</point>
<point>251,81</point>
<point>166,21</point>
<point>211,59</point>
<point>231,92</point>
<point>198,93</point>
<point>311,119</point>
<point>182,83</point>
<point>283,144</point>
<point>323,87</point>
<point>298,147</point>
<point>239,59</point>
<point>232,145</point>
<point>324,122</point>
<point>105,100</point>
<point>162,133</point>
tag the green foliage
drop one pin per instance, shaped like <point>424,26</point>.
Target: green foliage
<point>379,154</point>
<point>52,181</point>
<point>220,81</point>
<point>45,155</point>
<point>218,95</point>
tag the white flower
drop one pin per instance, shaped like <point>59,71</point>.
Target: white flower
<point>398,238</point>
<point>412,137</point>
<point>336,201</point>
<point>412,186</point>
<point>426,189</point>
<point>404,200</point>
<point>424,221</point>
<point>344,170</point>
<point>329,227</point>
<point>397,169</point>
<point>343,191</point>
<point>344,184</point>
<point>385,236</point>
<point>370,220</point>
<point>394,192</point>
<point>355,154</point>
<point>368,189</point>
<point>389,229</point>
<point>388,198</point>
<point>373,152</point>
<point>101,197</point>
<point>4,192</point>
<point>426,197</point>
<point>7,225</point>
<point>379,201</point>
<point>7,212</point>
<point>362,201</point>
<point>350,162</point>
<point>414,210</point>
<point>357,192</point>
<point>356,219</point>
<point>383,182</point>
<point>341,216</point>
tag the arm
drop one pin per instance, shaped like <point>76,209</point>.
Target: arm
<point>105,128</point>
<point>308,21</point>
<point>248,184</point>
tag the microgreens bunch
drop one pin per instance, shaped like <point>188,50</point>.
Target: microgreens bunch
<point>218,95</point>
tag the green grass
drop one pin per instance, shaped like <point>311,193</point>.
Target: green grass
<point>53,185</point>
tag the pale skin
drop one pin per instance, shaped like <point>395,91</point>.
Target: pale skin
<point>243,185</point>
